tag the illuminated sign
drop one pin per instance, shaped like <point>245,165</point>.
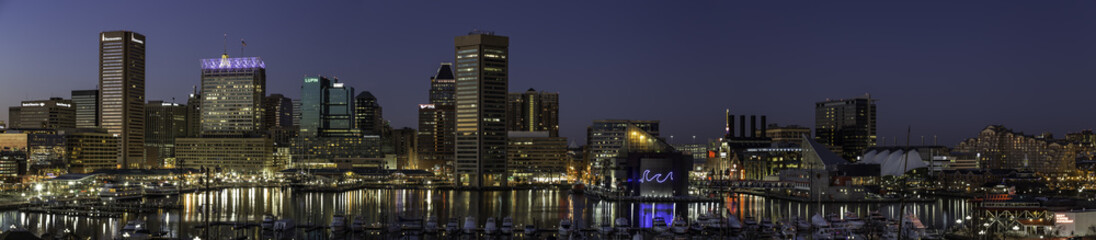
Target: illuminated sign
<point>311,80</point>
<point>134,39</point>
<point>106,39</point>
<point>337,85</point>
<point>658,177</point>
<point>426,106</point>
<point>1062,218</point>
<point>64,105</point>
<point>34,104</point>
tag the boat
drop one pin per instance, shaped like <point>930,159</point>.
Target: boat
<point>452,227</point>
<point>802,224</point>
<point>285,225</point>
<point>469,225</point>
<point>338,222</point>
<point>819,222</point>
<point>431,225</point>
<point>564,227</point>
<point>700,223</point>
<point>825,233</point>
<point>622,225</point>
<point>605,229</point>
<point>750,223</point>
<point>359,223</point>
<point>135,229</point>
<point>530,230</point>
<point>853,221</point>
<point>659,225</point>
<point>679,226</point>
<point>490,227</point>
<point>161,189</point>
<point>507,226</point>
<point>116,192</point>
<point>268,222</point>
<point>767,224</point>
<point>405,224</point>
<point>733,223</point>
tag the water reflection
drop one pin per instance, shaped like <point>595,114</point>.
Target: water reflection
<point>543,208</point>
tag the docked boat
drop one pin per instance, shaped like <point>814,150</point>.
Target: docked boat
<point>135,229</point>
<point>819,222</point>
<point>116,192</point>
<point>452,227</point>
<point>285,225</point>
<point>679,226</point>
<point>161,189</point>
<point>358,225</point>
<point>469,225</point>
<point>733,223</point>
<point>622,225</point>
<point>605,229</point>
<point>431,225</point>
<point>853,221</point>
<point>802,224</point>
<point>268,222</point>
<point>825,233</point>
<point>530,230</point>
<point>338,222</point>
<point>700,223</point>
<point>507,226</point>
<point>659,225</point>
<point>490,227</point>
<point>750,223</point>
<point>564,227</point>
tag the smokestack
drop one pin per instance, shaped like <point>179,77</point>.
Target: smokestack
<point>742,125</point>
<point>764,127</point>
<point>730,125</point>
<point>753,125</point>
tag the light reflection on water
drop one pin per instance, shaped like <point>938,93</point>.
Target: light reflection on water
<point>544,208</point>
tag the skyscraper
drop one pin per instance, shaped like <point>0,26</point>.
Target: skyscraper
<point>86,103</point>
<point>194,114</point>
<point>327,108</point>
<point>367,114</point>
<point>122,93</point>
<point>55,113</point>
<point>846,126</point>
<point>436,122</point>
<point>533,111</point>
<point>232,96</point>
<point>164,123</point>
<point>278,110</point>
<point>481,89</point>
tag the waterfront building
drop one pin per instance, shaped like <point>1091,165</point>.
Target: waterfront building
<point>650,167</point>
<point>367,114</point>
<point>90,150</point>
<point>847,126</point>
<point>164,122</point>
<point>767,163</point>
<point>998,147</point>
<point>536,156</point>
<point>54,113</point>
<point>194,114</point>
<point>254,154</point>
<point>533,111</point>
<point>327,130</point>
<point>13,165</point>
<point>122,93</point>
<point>402,142</point>
<point>605,140</point>
<point>436,137</point>
<point>44,149</point>
<point>699,152</point>
<point>823,175</point>
<point>733,158</point>
<point>482,60</point>
<point>86,103</point>
<point>897,161</point>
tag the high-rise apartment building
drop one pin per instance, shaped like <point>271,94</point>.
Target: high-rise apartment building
<point>436,123</point>
<point>86,103</point>
<point>997,147</point>
<point>533,111</point>
<point>847,126</point>
<point>482,60</point>
<point>232,96</point>
<point>55,113</point>
<point>367,114</point>
<point>122,93</point>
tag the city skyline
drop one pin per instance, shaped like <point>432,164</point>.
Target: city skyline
<point>1040,62</point>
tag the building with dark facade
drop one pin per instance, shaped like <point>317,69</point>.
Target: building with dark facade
<point>605,141</point>
<point>436,137</point>
<point>482,60</point>
<point>122,93</point>
<point>164,122</point>
<point>86,103</point>
<point>533,111</point>
<point>90,149</point>
<point>55,113</point>
<point>368,115</point>
<point>847,126</point>
<point>278,110</point>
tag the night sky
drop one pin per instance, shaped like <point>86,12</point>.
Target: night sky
<point>948,68</point>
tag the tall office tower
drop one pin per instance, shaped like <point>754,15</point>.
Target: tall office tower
<point>232,96</point>
<point>164,122</point>
<point>86,103</point>
<point>194,114</point>
<point>368,114</point>
<point>122,93</point>
<point>436,122</point>
<point>605,140</point>
<point>278,110</point>
<point>533,111</point>
<point>327,108</point>
<point>55,113</point>
<point>296,112</point>
<point>481,88</point>
<point>846,126</point>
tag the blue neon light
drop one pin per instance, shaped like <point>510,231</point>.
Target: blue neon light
<point>658,177</point>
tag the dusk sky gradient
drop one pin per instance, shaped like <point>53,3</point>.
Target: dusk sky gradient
<point>948,68</point>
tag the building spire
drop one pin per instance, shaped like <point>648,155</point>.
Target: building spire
<point>224,54</point>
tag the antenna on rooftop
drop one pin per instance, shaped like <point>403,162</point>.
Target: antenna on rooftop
<point>224,54</point>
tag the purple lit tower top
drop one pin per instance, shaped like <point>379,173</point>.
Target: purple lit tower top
<point>233,63</point>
